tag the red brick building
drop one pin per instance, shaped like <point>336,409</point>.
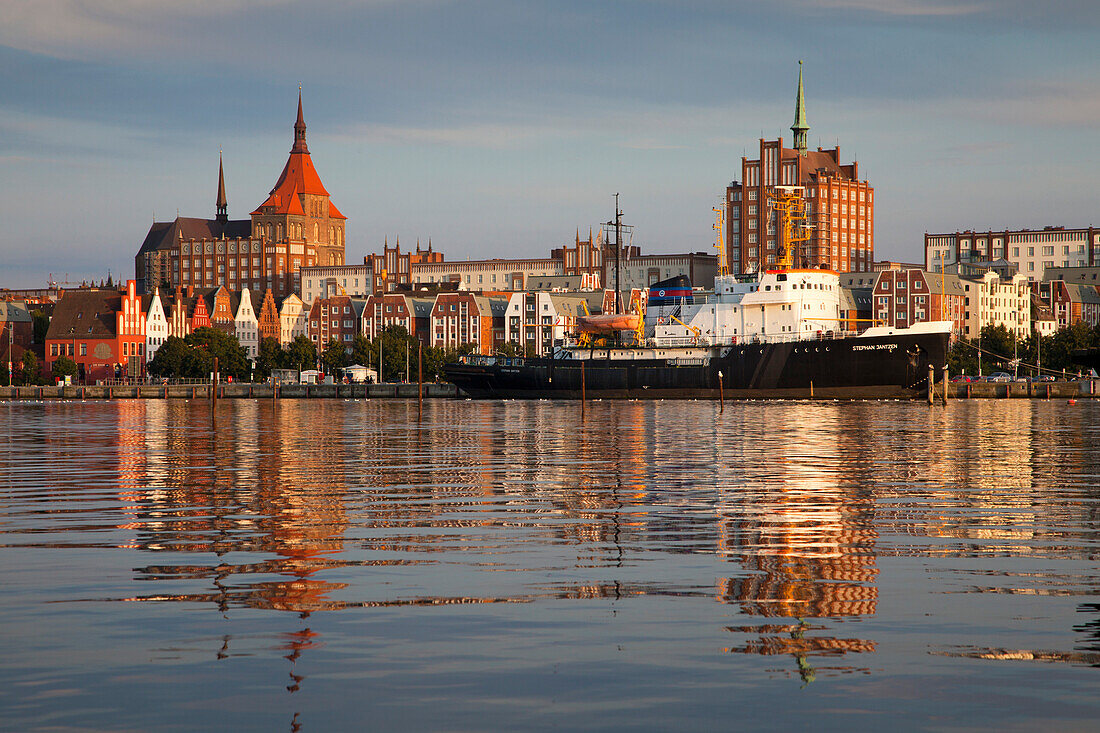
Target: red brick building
<point>389,309</point>
<point>1070,303</point>
<point>841,206</point>
<point>297,225</point>
<point>332,318</point>
<point>465,318</point>
<point>903,297</point>
<point>102,330</point>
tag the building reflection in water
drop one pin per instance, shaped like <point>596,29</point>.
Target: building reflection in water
<point>806,540</point>
<point>283,499</point>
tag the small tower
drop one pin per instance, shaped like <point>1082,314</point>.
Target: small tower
<point>300,129</point>
<point>800,127</point>
<point>222,204</point>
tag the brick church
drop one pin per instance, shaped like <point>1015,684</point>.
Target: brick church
<point>296,226</point>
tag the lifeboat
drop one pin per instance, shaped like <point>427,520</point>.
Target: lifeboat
<point>608,322</point>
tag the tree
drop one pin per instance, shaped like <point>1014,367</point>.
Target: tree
<point>172,359</point>
<point>208,343</point>
<point>64,367</point>
<point>41,324</point>
<point>333,357</point>
<point>269,357</point>
<point>30,368</point>
<point>362,350</point>
<point>300,354</point>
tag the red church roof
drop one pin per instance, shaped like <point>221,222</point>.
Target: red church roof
<point>298,178</point>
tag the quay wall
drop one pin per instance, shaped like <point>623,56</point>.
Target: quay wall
<point>1085,388</point>
<point>227,391</point>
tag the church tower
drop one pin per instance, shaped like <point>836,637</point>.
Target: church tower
<point>298,219</point>
<point>800,126</point>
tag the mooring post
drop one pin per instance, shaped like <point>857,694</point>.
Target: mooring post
<point>931,384</point>
<point>582,388</point>
<point>214,384</point>
<point>945,381</point>
<point>419,380</point>
<point>722,394</point>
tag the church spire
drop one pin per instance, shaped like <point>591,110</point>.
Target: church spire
<point>222,204</point>
<point>300,128</point>
<point>800,127</point>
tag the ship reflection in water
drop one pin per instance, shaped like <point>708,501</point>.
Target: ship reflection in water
<point>326,547</point>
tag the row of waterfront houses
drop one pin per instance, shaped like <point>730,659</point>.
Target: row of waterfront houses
<point>113,333</point>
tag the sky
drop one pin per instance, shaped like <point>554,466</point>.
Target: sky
<point>498,128</point>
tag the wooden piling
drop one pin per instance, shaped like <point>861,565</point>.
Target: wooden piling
<point>931,384</point>
<point>582,388</point>
<point>945,382</point>
<point>722,394</point>
<point>419,380</point>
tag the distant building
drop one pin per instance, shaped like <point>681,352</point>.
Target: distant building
<point>1032,251</point>
<point>841,206</point>
<point>296,226</point>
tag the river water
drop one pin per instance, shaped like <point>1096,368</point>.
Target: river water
<point>328,565</point>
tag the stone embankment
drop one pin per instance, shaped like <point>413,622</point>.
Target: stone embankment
<point>227,391</point>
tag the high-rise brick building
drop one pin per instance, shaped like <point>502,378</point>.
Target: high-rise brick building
<point>296,226</point>
<point>840,204</point>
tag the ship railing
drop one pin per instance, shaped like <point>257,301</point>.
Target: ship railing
<point>779,338</point>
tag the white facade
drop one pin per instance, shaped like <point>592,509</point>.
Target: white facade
<point>1031,251</point>
<point>293,316</point>
<point>246,325</point>
<point>538,320</point>
<point>992,301</point>
<point>156,326</point>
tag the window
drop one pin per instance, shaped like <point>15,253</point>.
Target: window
<point>84,349</point>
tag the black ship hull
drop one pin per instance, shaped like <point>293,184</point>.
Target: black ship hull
<point>851,368</point>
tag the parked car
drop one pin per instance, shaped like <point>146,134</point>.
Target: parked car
<point>961,378</point>
<point>1000,377</point>
<point>1043,378</point>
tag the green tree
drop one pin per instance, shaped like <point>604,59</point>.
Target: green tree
<point>362,351</point>
<point>513,348</point>
<point>40,324</point>
<point>172,359</point>
<point>30,368</point>
<point>269,358</point>
<point>299,354</point>
<point>208,343</point>
<point>334,357</point>
<point>64,367</point>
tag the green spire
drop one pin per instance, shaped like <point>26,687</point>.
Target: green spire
<point>800,127</point>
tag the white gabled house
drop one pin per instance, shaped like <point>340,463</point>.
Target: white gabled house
<point>156,324</point>
<point>246,325</point>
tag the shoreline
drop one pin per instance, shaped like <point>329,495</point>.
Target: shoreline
<point>1088,388</point>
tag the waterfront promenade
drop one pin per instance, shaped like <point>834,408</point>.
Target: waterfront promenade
<point>1073,389</point>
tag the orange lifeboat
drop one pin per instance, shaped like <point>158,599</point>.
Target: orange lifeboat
<point>608,323</point>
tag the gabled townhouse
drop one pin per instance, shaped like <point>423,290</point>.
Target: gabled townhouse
<point>1070,303</point>
<point>538,320</point>
<point>463,318</point>
<point>102,330</point>
<point>245,324</point>
<point>267,318</point>
<point>903,297</point>
<point>156,322</point>
<point>293,318</point>
<point>387,309</point>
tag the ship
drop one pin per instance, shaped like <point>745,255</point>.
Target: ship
<point>778,333</point>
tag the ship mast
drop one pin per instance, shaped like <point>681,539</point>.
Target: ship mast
<point>793,224</point>
<point>618,250</point>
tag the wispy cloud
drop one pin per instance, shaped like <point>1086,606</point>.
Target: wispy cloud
<point>901,7</point>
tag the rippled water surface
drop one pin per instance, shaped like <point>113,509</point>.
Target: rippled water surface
<point>322,565</point>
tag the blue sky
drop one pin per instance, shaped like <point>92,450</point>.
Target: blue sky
<point>498,128</point>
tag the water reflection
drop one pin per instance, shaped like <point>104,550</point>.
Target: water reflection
<point>792,521</point>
